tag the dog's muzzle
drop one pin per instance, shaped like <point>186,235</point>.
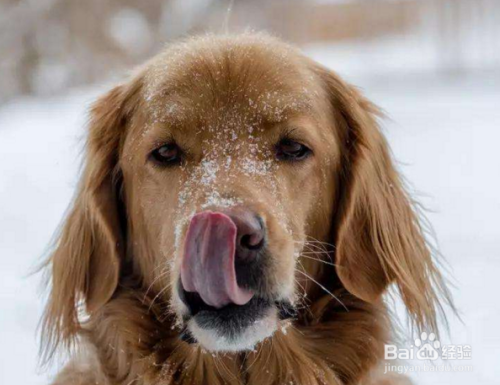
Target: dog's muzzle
<point>222,272</point>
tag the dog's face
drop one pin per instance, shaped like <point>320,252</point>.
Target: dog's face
<point>228,169</point>
<point>207,175</point>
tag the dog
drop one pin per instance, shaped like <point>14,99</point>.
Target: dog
<point>238,220</point>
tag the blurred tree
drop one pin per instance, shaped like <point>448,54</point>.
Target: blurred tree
<point>49,45</point>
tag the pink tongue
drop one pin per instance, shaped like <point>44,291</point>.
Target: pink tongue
<point>208,265</point>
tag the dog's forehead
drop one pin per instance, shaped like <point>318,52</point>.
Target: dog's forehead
<point>248,81</point>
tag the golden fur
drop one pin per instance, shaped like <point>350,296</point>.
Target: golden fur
<point>114,262</point>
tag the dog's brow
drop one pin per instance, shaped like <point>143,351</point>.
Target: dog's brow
<point>267,108</point>
<point>284,107</point>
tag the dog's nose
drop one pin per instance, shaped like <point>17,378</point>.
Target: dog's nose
<point>250,235</point>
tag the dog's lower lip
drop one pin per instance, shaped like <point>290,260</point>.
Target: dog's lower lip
<point>230,321</point>
<point>195,303</point>
<point>197,307</point>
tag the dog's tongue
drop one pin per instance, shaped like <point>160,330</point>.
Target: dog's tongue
<point>208,265</point>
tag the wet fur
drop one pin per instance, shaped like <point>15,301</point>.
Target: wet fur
<point>130,336</point>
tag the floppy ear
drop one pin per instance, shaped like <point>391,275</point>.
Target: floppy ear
<point>378,236</point>
<point>85,264</point>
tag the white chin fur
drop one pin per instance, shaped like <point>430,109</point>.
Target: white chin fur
<point>211,340</point>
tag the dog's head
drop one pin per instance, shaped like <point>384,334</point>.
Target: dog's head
<point>215,177</point>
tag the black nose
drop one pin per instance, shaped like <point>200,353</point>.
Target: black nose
<point>250,238</point>
<point>250,254</point>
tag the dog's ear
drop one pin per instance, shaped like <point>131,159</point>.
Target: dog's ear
<point>379,238</point>
<point>85,264</point>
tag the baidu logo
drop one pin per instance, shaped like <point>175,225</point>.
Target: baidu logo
<point>428,347</point>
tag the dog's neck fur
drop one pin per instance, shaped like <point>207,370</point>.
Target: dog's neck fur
<point>130,342</point>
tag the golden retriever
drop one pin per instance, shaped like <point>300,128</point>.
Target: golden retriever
<point>238,219</point>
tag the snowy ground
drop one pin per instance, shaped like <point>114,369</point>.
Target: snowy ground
<point>444,131</point>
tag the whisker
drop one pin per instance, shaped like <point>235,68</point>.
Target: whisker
<point>323,288</point>
<point>316,249</point>
<point>303,298</point>
<point>168,312</point>
<point>317,252</point>
<point>319,260</point>
<point>316,245</point>
<point>304,291</point>
<point>157,295</point>
<point>161,275</point>
<point>314,240</point>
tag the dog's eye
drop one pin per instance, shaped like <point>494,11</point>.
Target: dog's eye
<point>167,155</point>
<point>290,150</point>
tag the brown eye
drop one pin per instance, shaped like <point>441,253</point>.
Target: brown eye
<point>166,155</point>
<point>289,150</point>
